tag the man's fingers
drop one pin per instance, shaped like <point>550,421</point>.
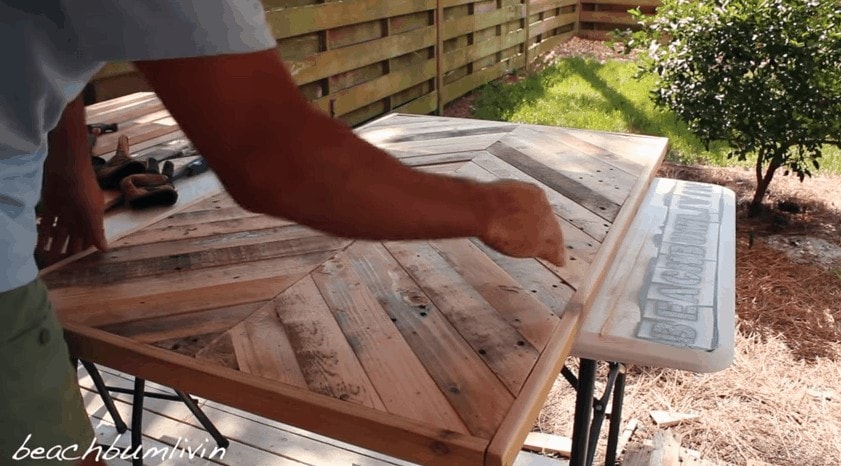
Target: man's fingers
<point>59,240</point>
<point>45,228</point>
<point>98,238</point>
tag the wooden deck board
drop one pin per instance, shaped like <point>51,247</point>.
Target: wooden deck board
<point>436,351</point>
<point>276,443</point>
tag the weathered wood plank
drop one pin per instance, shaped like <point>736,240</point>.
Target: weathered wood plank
<point>327,361</point>
<point>262,347</point>
<point>173,263</point>
<point>193,245</point>
<point>568,186</point>
<point>580,246</point>
<point>578,216</point>
<point>358,96</point>
<point>401,381</point>
<point>619,18</point>
<point>415,134</point>
<point>471,23</point>
<point>196,229</point>
<point>451,145</point>
<point>502,348</point>
<point>151,330</point>
<point>516,305</point>
<point>132,299</point>
<point>532,276</point>
<point>593,167</point>
<point>475,392</point>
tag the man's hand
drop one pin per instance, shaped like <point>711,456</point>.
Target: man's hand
<point>521,223</point>
<point>72,215</point>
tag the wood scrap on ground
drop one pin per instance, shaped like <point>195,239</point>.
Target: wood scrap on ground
<point>548,443</point>
<point>669,419</point>
<point>664,450</point>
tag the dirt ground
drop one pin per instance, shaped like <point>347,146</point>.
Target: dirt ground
<point>780,401</point>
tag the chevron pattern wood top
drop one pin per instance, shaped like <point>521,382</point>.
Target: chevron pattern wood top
<point>438,352</point>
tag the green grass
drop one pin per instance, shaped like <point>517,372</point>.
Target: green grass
<point>583,93</point>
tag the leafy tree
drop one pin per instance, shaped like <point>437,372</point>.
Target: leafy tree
<point>764,76</point>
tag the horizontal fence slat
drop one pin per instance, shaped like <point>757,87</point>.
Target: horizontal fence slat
<point>467,24</point>
<point>358,96</point>
<point>619,18</point>
<point>629,3</point>
<point>466,84</point>
<point>536,29</point>
<point>547,45</point>
<point>539,6</point>
<point>289,22</point>
<point>337,61</point>
<point>462,56</point>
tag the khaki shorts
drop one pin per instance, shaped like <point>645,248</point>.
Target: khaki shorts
<point>40,403</point>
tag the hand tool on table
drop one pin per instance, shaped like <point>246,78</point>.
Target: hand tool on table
<point>186,167</point>
<point>153,186</point>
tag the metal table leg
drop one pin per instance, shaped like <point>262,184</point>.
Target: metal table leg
<point>137,422</point>
<point>583,413</point>
<point>203,419</point>
<point>615,419</point>
<point>600,411</point>
<point>590,412</point>
<point>96,377</point>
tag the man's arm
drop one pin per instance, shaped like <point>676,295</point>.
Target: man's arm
<point>278,155</point>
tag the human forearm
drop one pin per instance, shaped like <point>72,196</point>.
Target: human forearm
<point>346,186</point>
<point>277,155</point>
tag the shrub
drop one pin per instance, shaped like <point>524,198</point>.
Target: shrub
<point>764,76</point>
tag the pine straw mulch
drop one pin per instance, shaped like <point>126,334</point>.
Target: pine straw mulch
<point>780,401</point>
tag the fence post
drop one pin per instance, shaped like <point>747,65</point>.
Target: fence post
<point>526,40</point>
<point>439,57</point>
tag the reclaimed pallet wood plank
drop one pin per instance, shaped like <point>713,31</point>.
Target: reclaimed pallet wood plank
<point>109,271</point>
<point>423,160</point>
<point>455,144</point>
<point>203,321</point>
<point>502,348</point>
<point>191,244</point>
<point>518,307</point>
<point>577,215</point>
<point>592,168</point>
<point>417,134</point>
<point>568,186</point>
<point>86,301</point>
<point>401,381</point>
<point>544,285</point>
<point>474,391</point>
<point>328,363</point>
<point>261,346</point>
<point>170,231</point>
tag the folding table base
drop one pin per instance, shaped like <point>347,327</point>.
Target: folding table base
<point>590,411</point>
<point>139,393</point>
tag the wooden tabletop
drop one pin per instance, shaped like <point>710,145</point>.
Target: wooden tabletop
<point>437,352</point>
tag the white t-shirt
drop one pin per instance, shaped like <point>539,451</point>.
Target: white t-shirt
<point>49,49</point>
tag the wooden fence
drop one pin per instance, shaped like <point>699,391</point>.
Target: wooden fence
<point>599,17</point>
<point>357,59</point>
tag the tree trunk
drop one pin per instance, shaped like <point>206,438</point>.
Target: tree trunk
<point>762,182</point>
